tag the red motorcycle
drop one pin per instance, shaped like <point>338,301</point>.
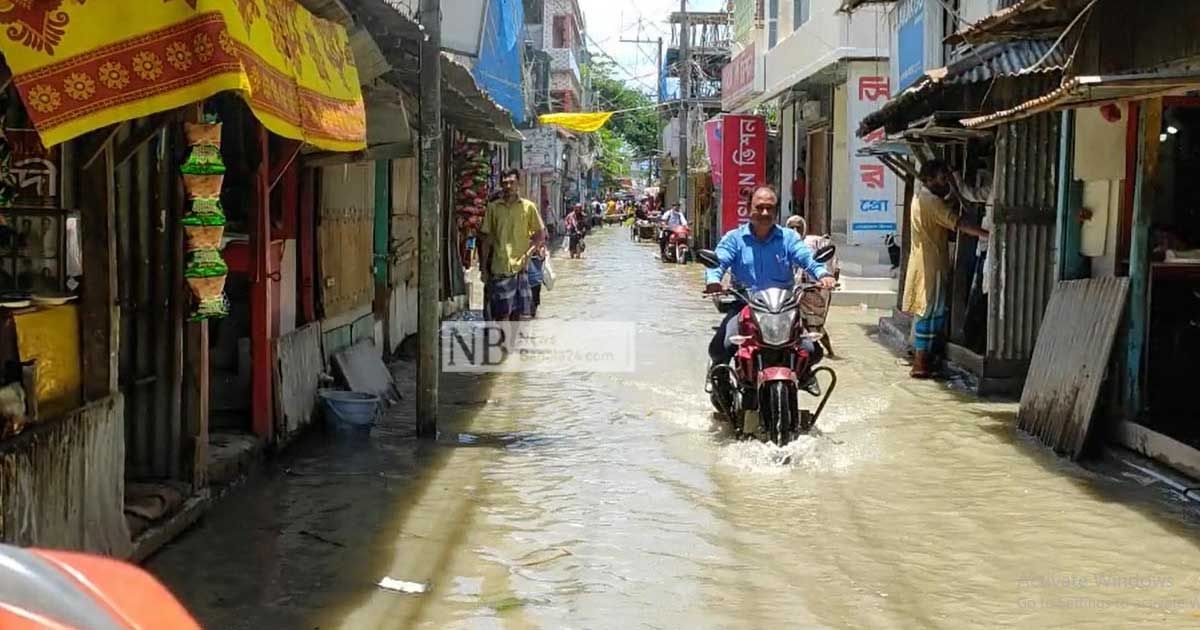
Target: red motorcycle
<point>759,390</point>
<point>42,589</point>
<point>679,245</point>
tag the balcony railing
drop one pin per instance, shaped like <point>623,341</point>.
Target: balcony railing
<point>564,59</point>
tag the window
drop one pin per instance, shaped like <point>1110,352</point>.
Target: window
<point>560,31</point>
<point>800,12</point>
<point>772,23</point>
<point>563,101</point>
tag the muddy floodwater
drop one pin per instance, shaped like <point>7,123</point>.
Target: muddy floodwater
<point>574,500</point>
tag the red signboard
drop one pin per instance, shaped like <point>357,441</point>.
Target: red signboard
<point>737,77</point>
<point>743,166</point>
<point>712,136</point>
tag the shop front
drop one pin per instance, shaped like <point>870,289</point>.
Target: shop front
<point>161,131</point>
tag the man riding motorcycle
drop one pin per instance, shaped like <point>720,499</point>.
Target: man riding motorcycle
<point>761,255</point>
<point>672,219</point>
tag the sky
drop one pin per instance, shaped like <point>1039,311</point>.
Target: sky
<point>609,21</point>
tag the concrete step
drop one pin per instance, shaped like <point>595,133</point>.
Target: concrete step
<point>872,299</point>
<point>865,270</point>
<point>884,284</point>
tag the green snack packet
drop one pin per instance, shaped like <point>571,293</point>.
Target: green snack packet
<point>214,307</point>
<point>205,211</point>
<point>205,159</point>
<point>205,263</point>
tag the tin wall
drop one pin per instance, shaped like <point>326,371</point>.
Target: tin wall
<point>1024,241</point>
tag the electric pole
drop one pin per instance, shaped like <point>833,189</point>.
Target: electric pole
<point>429,243</point>
<point>685,84</point>
<point>658,90</point>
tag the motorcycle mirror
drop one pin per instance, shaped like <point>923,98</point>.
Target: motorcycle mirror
<point>708,258</point>
<point>825,254</point>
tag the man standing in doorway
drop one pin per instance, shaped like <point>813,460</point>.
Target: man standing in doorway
<point>512,230</point>
<point>927,281</point>
<point>799,191</point>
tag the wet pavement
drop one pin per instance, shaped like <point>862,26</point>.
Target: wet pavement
<point>615,501</point>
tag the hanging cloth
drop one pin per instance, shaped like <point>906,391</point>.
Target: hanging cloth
<point>80,66</point>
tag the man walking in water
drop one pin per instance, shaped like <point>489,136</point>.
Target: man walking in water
<point>512,230</point>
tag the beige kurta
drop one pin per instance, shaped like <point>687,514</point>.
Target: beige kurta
<point>929,259</point>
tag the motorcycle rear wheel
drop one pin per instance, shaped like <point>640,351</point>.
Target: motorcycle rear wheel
<point>778,408</point>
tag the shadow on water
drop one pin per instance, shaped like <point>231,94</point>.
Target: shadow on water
<point>1100,479</point>
<point>303,542</point>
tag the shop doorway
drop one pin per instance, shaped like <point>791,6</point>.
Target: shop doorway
<point>818,168</point>
<point>1173,348</point>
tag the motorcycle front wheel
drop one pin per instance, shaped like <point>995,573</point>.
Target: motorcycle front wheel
<point>777,405</point>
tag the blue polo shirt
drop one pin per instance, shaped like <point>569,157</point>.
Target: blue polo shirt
<point>763,264</point>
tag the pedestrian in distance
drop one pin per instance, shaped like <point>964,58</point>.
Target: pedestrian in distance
<point>577,228</point>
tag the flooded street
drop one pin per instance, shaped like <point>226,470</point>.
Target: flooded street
<point>574,500</point>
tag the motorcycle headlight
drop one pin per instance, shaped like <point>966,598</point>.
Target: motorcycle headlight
<point>776,328</point>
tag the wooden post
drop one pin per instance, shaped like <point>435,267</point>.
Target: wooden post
<point>307,244</point>
<point>1070,264</point>
<point>1149,128</point>
<point>429,276</point>
<point>383,219</point>
<point>261,372</point>
<point>194,401</point>
<point>100,315</point>
<point>905,238</point>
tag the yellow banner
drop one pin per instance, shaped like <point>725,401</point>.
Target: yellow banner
<point>585,123</point>
<point>83,64</point>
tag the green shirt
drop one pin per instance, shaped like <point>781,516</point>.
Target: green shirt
<point>510,228</point>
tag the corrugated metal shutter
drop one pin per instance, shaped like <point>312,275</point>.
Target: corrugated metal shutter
<point>1024,240</point>
<point>345,236</point>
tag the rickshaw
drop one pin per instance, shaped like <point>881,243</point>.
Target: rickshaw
<point>647,229</point>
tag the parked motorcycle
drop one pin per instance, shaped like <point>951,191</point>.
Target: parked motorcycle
<point>679,245</point>
<point>758,392</point>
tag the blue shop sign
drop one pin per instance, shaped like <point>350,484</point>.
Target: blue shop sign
<point>910,42</point>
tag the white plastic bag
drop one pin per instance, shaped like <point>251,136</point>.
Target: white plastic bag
<point>548,276</point>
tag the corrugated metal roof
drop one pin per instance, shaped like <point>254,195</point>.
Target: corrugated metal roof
<point>1022,19</point>
<point>849,6</point>
<point>1095,90</point>
<point>1011,59</point>
<point>466,106</point>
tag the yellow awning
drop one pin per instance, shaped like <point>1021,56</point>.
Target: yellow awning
<point>586,122</point>
<point>80,66</point>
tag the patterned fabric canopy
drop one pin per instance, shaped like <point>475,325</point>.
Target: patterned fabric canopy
<point>80,65</point>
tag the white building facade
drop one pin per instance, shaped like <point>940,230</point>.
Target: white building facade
<point>824,70</point>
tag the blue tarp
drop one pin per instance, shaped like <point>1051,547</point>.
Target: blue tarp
<point>498,69</point>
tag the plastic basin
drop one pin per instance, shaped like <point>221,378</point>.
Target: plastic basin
<point>349,410</point>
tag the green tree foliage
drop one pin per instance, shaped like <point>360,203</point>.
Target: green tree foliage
<point>639,129</point>
<point>613,157</point>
